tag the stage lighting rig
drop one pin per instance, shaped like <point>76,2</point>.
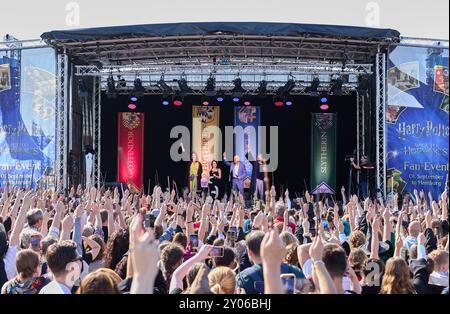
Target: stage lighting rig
<point>184,88</point>
<point>121,84</point>
<point>312,89</point>
<point>238,91</point>
<point>210,89</point>
<point>283,92</point>
<point>163,87</point>
<point>139,89</point>
<point>111,87</point>
<point>262,89</point>
<point>336,86</point>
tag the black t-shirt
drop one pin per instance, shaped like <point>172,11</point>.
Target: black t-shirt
<point>375,289</point>
<point>159,288</point>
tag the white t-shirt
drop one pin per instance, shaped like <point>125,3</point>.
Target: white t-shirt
<point>236,170</point>
<point>55,287</point>
<point>10,262</point>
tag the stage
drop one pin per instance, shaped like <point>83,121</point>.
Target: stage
<point>294,138</point>
<point>95,62</point>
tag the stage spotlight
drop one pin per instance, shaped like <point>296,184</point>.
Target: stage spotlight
<point>237,91</point>
<point>324,107</point>
<point>236,99</point>
<point>178,100</point>
<point>312,89</point>
<point>246,100</point>
<point>133,98</point>
<point>184,88</point>
<point>278,101</point>
<point>220,97</point>
<point>111,87</point>
<point>163,87</point>
<point>165,100</point>
<point>205,101</point>
<point>336,86</point>
<point>132,106</point>
<point>138,89</point>
<point>122,83</point>
<point>289,102</point>
<point>323,103</point>
<point>210,89</point>
<point>262,89</point>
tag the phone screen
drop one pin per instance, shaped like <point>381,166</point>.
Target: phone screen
<point>216,251</point>
<point>193,241</point>
<point>288,281</point>
<point>149,221</point>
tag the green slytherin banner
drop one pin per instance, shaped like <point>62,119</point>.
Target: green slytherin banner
<point>323,153</point>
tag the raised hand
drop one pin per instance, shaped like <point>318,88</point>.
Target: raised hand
<point>421,238</point>
<point>144,256</point>
<point>272,248</point>
<point>316,249</point>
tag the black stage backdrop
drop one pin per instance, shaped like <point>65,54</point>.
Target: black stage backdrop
<point>293,128</point>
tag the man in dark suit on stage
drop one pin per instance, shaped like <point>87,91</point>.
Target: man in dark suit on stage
<point>237,173</point>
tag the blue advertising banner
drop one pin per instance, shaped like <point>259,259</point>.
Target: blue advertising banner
<point>417,120</point>
<point>27,116</point>
<point>248,118</point>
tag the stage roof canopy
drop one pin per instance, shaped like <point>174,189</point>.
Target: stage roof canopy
<point>197,42</point>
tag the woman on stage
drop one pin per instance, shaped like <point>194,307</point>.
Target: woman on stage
<point>215,179</point>
<point>194,173</point>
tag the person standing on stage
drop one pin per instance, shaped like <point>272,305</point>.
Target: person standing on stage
<point>215,179</point>
<point>364,169</point>
<point>258,174</point>
<point>237,173</point>
<point>194,173</point>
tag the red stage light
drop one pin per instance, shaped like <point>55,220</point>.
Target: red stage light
<point>177,103</point>
<point>247,103</point>
<point>205,103</point>
<point>324,107</point>
<point>132,106</point>
<point>279,103</point>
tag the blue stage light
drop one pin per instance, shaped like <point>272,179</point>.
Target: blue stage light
<point>324,99</point>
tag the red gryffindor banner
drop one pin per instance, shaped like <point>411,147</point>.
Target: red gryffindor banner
<point>130,149</point>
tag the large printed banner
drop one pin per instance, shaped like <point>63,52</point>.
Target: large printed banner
<point>27,117</point>
<point>323,153</point>
<point>130,149</point>
<point>248,118</point>
<point>417,120</point>
<point>205,138</point>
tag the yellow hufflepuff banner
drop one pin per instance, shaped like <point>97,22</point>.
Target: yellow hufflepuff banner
<point>206,133</point>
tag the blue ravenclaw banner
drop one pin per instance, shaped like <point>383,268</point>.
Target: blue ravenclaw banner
<point>248,118</point>
<point>27,116</point>
<point>417,120</point>
<point>323,152</point>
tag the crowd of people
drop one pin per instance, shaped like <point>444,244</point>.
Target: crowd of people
<point>101,241</point>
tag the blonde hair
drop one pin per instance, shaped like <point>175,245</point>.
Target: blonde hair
<point>397,279</point>
<point>288,238</point>
<point>222,280</point>
<point>439,257</point>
